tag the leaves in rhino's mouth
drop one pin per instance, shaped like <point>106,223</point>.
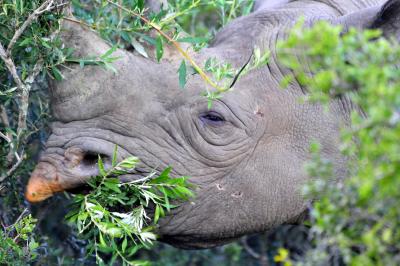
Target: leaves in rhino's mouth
<point>112,213</point>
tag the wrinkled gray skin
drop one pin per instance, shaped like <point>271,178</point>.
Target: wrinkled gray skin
<point>248,168</point>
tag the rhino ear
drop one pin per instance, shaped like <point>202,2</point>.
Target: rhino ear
<point>385,18</point>
<point>388,19</point>
<point>84,41</point>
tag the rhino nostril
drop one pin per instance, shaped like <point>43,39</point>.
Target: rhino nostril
<point>90,159</point>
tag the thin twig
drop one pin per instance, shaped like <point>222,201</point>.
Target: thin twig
<point>17,220</point>
<point>6,138</point>
<point>176,44</point>
<point>4,116</point>
<point>46,6</point>
<point>24,98</point>
<point>120,19</point>
<point>79,22</point>
<point>248,249</point>
<point>36,70</point>
<point>12,226</point>
<point>6,124</point>
<point>11,153</point>
<point>22,215</point>
<point>14,167</point>
<point>11,67</point>
<point>23,88</point>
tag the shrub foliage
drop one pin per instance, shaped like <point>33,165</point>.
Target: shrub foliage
<point>355,220</point>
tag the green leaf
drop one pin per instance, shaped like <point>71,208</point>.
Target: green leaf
<point>57,74</point>
<point>129,163</point>
<point>157,214</point>
<point>163,177</point>
<point>139,48</point>
<point>101,240</point>
<point>132,250</point>
<point>101,166</point>
<point>112,185</point>
<point>147,38</point>
<point>112,230</point>
<point>166,199</point>
<point>26,41</point>
<point>124,244</point>
<point>140,263</point>
<point>114,157</point>
<point>184,193</point>
<point>159,48</point>
<point>182,74</point>
<point>109,52</point>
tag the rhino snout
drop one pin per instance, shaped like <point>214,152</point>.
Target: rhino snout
<point>59,173</point>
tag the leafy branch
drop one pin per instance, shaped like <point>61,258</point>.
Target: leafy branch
<point>171,40</point>
<point>17,241</point>
<point>22,88</point>
<point>214,80</point>
<point>98,215</point>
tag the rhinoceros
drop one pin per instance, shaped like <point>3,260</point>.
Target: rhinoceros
<point>245,154</point>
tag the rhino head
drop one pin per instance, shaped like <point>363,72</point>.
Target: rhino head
<point>245,155</point>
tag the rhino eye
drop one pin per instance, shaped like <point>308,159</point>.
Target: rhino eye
<point>212,117</point>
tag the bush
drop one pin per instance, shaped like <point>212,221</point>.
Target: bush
<point>17,243</point>
<point>354,221</point>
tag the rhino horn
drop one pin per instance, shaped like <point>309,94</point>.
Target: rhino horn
<point>43,183</point>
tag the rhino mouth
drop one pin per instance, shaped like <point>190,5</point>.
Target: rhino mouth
<point>195,241</point>
<point>71,172</point>
<point>83,189</point>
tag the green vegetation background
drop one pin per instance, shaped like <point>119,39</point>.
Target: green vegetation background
<point>355,221</point>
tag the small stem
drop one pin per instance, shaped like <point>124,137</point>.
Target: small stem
<point>176,44</point>
<point>14,167</point>
<point>232,10</point>
<point>11,67</point>
<point>22,86</point>
<point>120,19</point>
<point>123,257</point>
<point>46,6</point>
<point>248,249</point>
<point>17,221</point>
<point>79,22</point>
<point>6,138</point>
<point>168,19</point>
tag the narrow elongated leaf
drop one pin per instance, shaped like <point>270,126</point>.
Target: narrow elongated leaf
<point>101,166</point>
<point>124,244</point>
<point>139,48</point>
<point>57,74</point>
<point>182,74</point>
<point>157,214</point>
<point>109,52</point>
<point>114,157</point>
<point>101,240</point>
<point>159,48</point>
<point>112,186</point>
